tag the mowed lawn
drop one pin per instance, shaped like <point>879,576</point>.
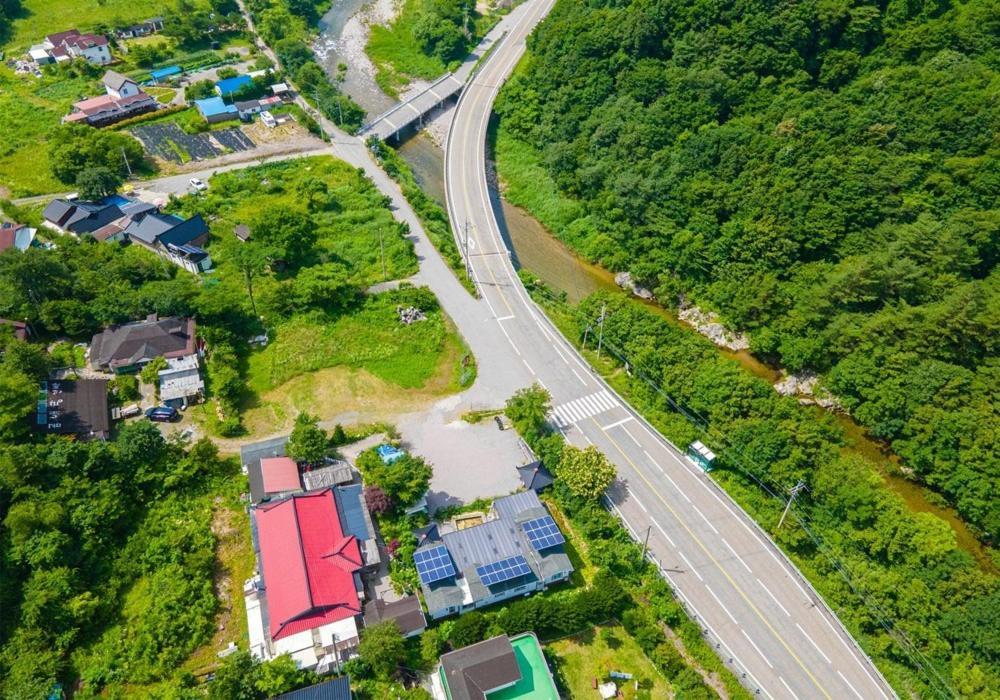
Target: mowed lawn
<point>42,17</point>
<point>595,653</point>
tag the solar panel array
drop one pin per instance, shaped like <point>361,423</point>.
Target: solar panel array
<point>434,564</point>
<point>543,533</point>
<point>503,570</point>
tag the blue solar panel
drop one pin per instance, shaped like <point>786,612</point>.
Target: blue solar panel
<point>434,564</point>
<point>503,570</point>
<point>543,533</point>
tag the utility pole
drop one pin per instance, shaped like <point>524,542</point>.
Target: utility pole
<point>381,245</point>
<point>645,544</point>
<point>127,165</point>
<point>586,332</point>
<point>794,492</point>
<point>600,337</point>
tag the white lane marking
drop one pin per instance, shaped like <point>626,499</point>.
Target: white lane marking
<point>506,318</point>
<point>616,424</point>
<point>787,687</point>
<point>664,533</point>
<point>853,689</point>
<point>839,634</point>
<point>690,566</point>
<point>757,649</point>
<point>815,645</point>
<point>582,380</point>
<point>629,433</point>
<point>678,488</point>
<point>637,501</point>
<point>738,557</point>
<point>528,366</point>
<point>776,601</point>
<point>721,605</point>
<point>707,521</point>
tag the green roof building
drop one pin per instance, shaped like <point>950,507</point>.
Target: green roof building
<point>502,668</point>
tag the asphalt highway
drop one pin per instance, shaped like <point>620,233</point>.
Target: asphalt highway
<point>763,617</point>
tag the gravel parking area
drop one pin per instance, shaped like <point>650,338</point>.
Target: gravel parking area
<point>470,461</point>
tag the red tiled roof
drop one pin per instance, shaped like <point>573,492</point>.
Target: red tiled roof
<point>307,562</point>
<point>280,474</point>
<point>59,37</point>
<point>85,41</point>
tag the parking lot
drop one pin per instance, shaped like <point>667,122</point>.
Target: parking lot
<point>168,141</point>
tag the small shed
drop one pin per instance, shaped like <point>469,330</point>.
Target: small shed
<point>701,455</point>
<point>213,109</point>
<point>161,74</point>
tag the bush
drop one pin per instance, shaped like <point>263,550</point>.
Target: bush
<point>468,629</point>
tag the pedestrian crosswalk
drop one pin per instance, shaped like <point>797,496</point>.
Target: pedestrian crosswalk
<point>576,410</point>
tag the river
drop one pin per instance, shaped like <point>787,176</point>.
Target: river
<point>544,255</point>
<point>334,47</point>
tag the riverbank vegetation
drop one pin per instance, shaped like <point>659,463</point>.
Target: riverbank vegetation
<point>426,39</point>
<point>896,578</point>
<point>825,180</point>
<point>287,27</point>
<point>432,215</point>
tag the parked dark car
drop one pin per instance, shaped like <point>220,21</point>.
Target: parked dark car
<point>162,414</point>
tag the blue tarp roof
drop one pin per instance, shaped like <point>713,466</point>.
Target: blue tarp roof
<point>165,72</point>
<point>230,85</point>
<point>212,106</point>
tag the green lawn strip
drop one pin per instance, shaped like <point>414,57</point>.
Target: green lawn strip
<point>432,216</point>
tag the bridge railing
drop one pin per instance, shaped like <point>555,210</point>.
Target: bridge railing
<point>399,105</point>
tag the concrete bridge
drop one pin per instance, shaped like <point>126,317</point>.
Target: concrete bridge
<point>413,110</point>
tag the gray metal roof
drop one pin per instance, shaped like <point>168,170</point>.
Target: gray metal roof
<point>333,689</point>
<point>513,505</point>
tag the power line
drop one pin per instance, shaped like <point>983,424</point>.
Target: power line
<point>916,656</point>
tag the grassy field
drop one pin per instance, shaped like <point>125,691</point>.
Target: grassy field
<point>372,339</point>
<point>582,658</point>
<point>355,394</point>
<point>42,17</point>
<point>29,109</point>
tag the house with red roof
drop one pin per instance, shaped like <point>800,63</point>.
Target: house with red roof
<point>306,596</point>
<point>70,44</point>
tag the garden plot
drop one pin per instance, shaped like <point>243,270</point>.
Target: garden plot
<point>169,142</point>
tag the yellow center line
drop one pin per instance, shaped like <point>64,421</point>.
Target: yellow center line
<point>713,559</point>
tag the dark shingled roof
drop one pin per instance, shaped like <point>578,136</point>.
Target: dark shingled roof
<point>166,229</point>
<point>535,476</point>
<point>333,689</point>
<point>475,670</point>
<point>80,217</point>
<point>77,407</point>
<point>132,343</point>
<point>406,613</point>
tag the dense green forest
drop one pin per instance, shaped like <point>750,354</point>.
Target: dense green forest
<point>824,174</point>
